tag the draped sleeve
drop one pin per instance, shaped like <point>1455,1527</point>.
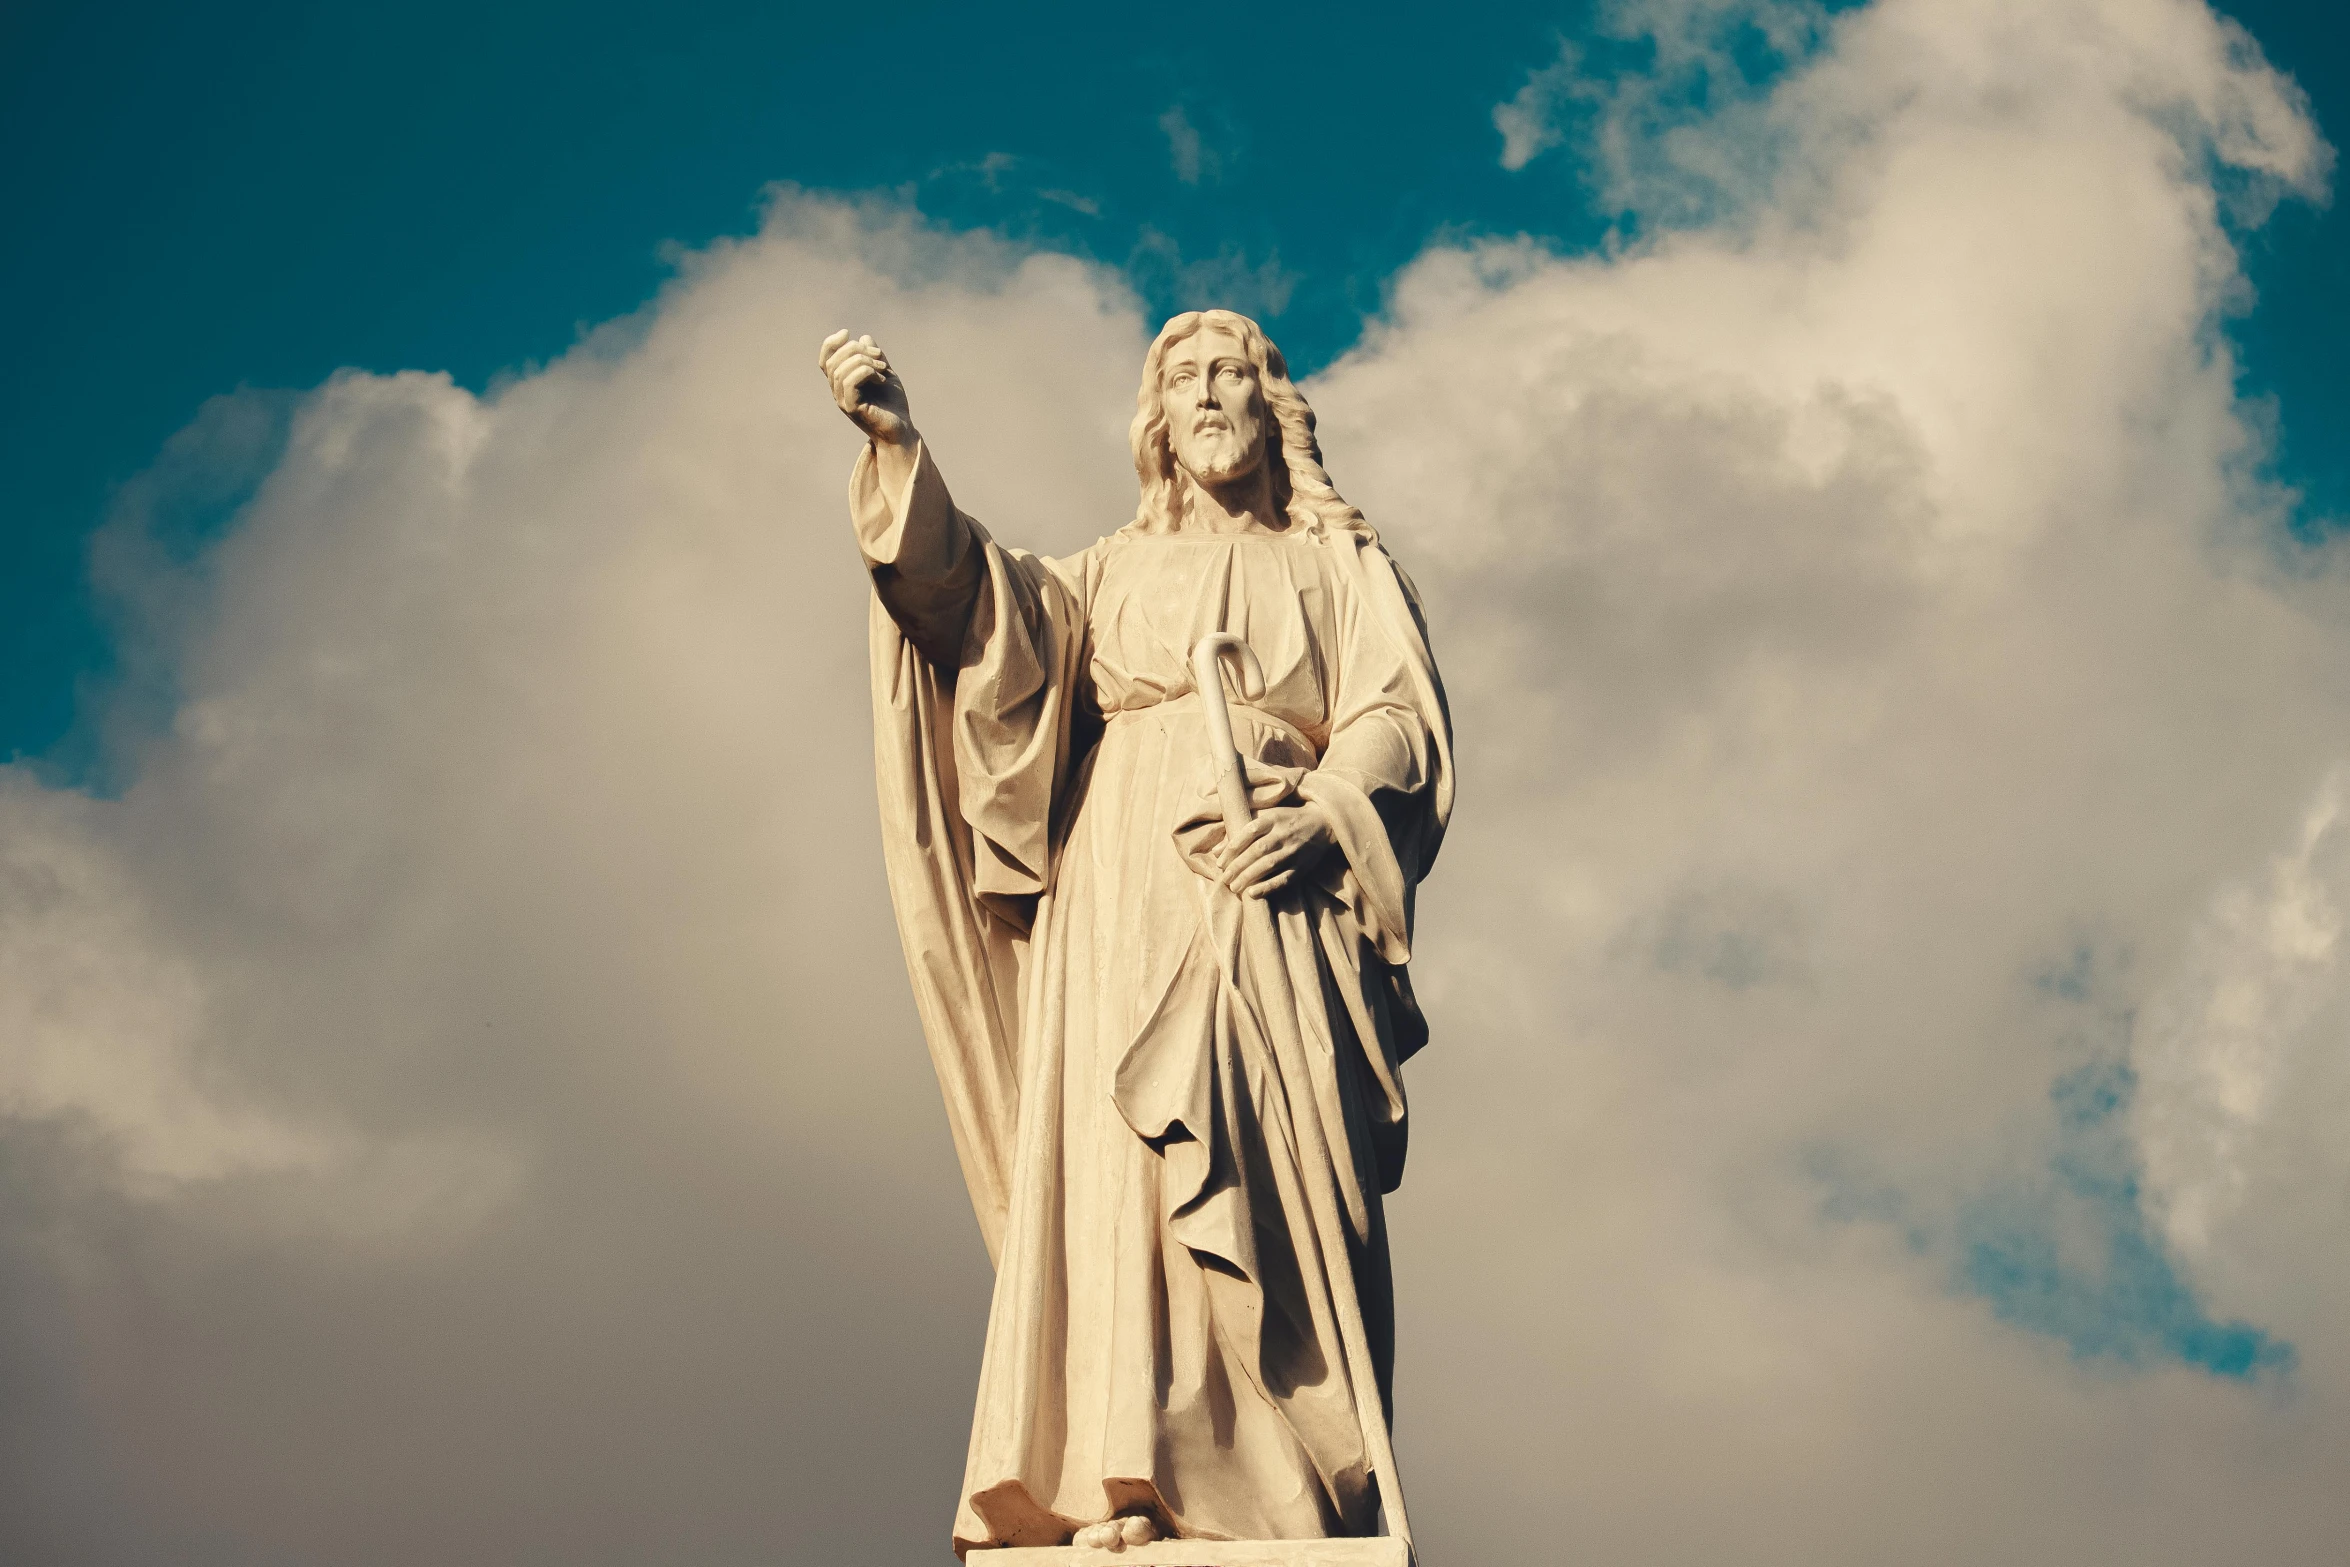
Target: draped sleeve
<point>1385,776</point>
<point>976,652</point>
<point>1010,628</point>
<point>925,557</point>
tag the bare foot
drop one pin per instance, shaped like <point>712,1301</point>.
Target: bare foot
<point>1115,1534</point>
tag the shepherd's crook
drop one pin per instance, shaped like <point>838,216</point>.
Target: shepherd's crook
<point>1207,675</point>
<point>1262,948</point>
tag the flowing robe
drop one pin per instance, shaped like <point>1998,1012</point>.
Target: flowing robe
<point>1165,1336</point>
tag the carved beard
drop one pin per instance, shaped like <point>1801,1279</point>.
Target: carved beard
<point>1220,456</point>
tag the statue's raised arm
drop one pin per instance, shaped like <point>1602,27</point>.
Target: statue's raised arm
<point>921,551</point>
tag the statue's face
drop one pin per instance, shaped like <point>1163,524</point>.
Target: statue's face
<point>1215,408</point>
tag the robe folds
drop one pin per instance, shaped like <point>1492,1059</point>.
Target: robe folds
<point>1164,1335</point>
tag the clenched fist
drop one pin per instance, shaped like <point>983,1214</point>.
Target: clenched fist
<point>868,391</point>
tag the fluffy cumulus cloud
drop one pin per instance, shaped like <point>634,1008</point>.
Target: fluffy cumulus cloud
<point>1888,969</point>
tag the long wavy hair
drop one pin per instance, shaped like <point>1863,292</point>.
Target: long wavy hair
<point>1301,487</point>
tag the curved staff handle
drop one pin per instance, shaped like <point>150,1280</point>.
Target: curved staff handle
<point>1207,674</point>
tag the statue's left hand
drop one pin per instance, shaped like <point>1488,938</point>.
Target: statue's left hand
<point>1280,844</point>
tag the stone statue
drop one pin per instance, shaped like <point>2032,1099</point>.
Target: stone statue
<point>1158,933</point>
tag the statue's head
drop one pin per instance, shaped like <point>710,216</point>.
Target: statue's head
<point>1216,404</point>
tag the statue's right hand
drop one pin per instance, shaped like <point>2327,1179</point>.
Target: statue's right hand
<point>868,391</point>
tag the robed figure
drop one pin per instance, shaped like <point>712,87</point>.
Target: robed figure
<point>1177,1139</point>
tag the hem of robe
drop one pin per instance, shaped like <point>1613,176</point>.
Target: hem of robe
<point>1015,1518</point>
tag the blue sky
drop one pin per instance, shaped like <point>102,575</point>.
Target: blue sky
<point>256,195</point>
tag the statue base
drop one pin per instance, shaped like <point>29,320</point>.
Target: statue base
<point>1382,1550</point>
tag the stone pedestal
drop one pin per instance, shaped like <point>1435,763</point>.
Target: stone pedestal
<point>1378,1551</point>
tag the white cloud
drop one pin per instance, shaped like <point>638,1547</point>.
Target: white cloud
<point>1884,697</point>
<point>1859,601</point>
<point>1528,121</point>
<point>2252,1014</point>
<point>98,1021</point>
<point>1668,134</point>
<point>490,960</point>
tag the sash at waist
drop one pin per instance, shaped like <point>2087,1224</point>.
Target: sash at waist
<point>1239,710</point>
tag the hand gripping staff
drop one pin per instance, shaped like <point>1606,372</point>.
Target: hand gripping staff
<point>1261,946</point>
